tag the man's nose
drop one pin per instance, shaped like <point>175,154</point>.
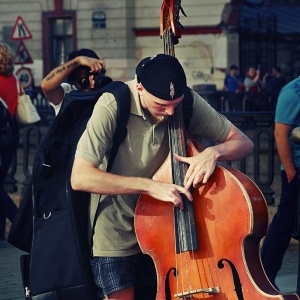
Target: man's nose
<point>170,110</point>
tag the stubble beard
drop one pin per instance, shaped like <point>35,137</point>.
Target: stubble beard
<point>159,119</point>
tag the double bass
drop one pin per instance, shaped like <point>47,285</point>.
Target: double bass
<point>210,249</point>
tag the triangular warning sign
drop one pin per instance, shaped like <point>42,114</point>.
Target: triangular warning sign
<point>22,55</point>
<point>20,31</point>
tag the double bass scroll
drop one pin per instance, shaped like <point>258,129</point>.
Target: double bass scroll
<point>170,26</point>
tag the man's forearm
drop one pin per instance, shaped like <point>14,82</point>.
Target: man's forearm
<point>57,76</point>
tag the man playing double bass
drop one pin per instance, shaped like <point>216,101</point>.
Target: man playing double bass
<point>120,270</point>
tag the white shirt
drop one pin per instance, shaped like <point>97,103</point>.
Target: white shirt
<point>67,89</point>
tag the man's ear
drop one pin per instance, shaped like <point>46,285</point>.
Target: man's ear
<point>139,87</point>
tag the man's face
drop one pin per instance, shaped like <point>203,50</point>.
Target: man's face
<point>233,72</point>
<point>251,72</point>
<point>157,108</point>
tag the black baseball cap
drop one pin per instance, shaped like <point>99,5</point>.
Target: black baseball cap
<point>83,52</point>
<point>162,76</point>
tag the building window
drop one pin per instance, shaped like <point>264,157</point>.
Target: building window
<point>59,39</point>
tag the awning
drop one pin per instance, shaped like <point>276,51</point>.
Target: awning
<point>286,19</point>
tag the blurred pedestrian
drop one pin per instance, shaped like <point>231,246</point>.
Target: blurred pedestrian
<point>254,85</point>
<point>275,83</point>
<point>277,240</point>
<point>8,93</point>
<point>233,84</point>
<point>80,70</point>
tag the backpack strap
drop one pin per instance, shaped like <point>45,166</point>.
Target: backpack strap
<point>121,92</point>
<point>187,107</point>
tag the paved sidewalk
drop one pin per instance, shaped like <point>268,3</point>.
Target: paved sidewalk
<point>11,287</point>
<point>287,277</point>
<point>11,283</point>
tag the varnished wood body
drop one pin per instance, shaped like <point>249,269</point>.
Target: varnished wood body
<point>231,218</point>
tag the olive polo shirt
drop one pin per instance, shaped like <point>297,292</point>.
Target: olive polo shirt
<point>143,151</point>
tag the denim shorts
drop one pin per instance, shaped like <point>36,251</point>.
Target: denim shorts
<point>115,273</point>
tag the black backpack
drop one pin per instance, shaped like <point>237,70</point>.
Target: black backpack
<point>57,267</point>
<point>58,264</point>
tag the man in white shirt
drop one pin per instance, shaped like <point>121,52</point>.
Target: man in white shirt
<point>79,69</point>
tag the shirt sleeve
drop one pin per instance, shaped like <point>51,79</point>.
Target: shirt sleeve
<point>67,89</point>
<point>97,138</point>
<point>288,107</point>
<point>207,123</point>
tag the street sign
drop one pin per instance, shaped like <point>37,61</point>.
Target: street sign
<point>22,55</point>
<point>20,31</point>
<point>25,77</point>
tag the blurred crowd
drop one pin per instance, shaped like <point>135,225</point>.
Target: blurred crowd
<point>256,91</point>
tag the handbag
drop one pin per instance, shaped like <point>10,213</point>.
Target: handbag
<point>26,112</point>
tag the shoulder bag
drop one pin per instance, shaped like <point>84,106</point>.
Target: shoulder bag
<point>26,112</point>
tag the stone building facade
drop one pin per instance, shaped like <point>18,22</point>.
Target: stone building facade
<point>121,31</point>
<point>216,34</point>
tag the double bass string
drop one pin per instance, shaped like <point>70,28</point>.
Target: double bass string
<point>188,275</point>
<point>167,43</point>
<point>178,174</point>
<point>189,269</point>
<point>178,234</point>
